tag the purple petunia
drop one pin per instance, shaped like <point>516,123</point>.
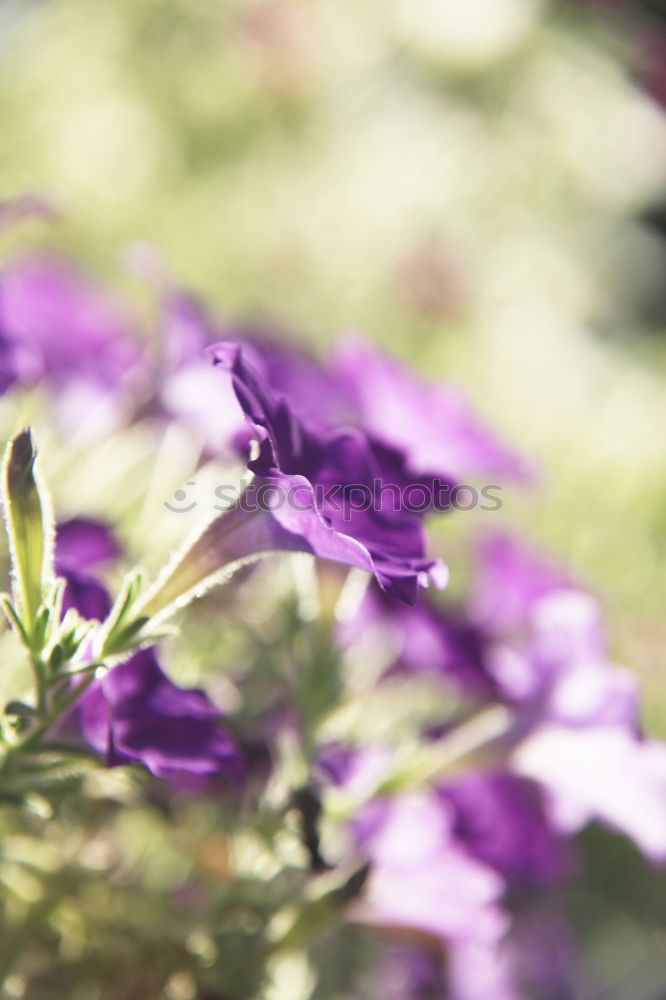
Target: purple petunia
<point>422,879</point>
<point>60,327</point>
<point>573,750</point>
<point>502,820</point>
<point>510,578</point>
<point>83,545</point>
<point>135,714</point>
<point>432,424</point>
<point>317,474</point>
<point>409,970</point>
<point>425,639</point>
<point>188,390</point>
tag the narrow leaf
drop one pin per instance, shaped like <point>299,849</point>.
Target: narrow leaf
<point>13,618</point>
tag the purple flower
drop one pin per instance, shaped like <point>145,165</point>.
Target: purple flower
<point>601,772</point>
<point>502,820</point>
<point>409,972</point>
<point>59,326</point>
<point>425,639</point>
<point>577,714</point>
<point>542,641</point>
<point>510,578</point>
<point>321,474</point>
<point>84,545</point>
<point>572,676</point>
<point>188,389</point>
<point>545,953</point>
<point>536,645</point>
<point>422,879</point>
<point>432,424</point>
<point>85,594</point>
<point>136,714</point>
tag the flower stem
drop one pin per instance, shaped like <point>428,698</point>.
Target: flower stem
<point>31,741</point>
<point>233,537</point>
<point>41,683</point>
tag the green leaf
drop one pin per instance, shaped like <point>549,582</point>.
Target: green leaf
<point>116,624</point>
<point>126,638</point>
<point>29,523</point>
<point>19,708</point>
<point>14,618</point>
<point>40,628</point>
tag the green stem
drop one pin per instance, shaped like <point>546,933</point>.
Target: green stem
<point>32,739</point>
<point>41,683</point>
<point>65,675</point>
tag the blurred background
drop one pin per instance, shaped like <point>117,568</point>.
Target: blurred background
<point>479,187</point>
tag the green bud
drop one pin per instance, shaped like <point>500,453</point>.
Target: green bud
<point>56,658</point>
<point>126,638</point>
<point>29,524</point>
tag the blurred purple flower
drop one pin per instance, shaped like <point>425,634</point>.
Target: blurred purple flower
<point>407,971</point>
<point>425,639</point>
<point>296,458</point>
<point>430,427</point>
<point>431,853</point>
<point>546,646</point>
<point>535,644</point>
<point>577,713</point>
<point>83,545</point>
<point>561,666</point>
<point>432,424</point>
<point>57,325</point>
<point>502,820</point>
<point>189,390</point>
<point>136,714</point>
<point>510,578</point>
<point>422,879</point>
<point>602,772</point>
<point>545,954</point>
<point>85,594</point>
